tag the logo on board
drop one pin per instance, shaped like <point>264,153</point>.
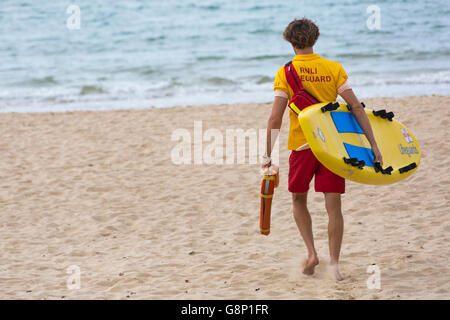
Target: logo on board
<point>406,135</point>
<point>408,150</point>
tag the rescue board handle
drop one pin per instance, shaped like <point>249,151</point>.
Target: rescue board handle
<point>379,168</point>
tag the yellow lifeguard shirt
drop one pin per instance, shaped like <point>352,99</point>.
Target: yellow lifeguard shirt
<point>322,78</point>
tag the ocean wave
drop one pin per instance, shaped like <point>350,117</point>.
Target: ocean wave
<point>155,38</point>
<point>91,89</point>
<point>145,71</point>
<point>230,24</point>
<point>210,58</point>
<point>168,51</point>
<point>37,82</point>
<point>220,81</point>
<point>210,7</point>
<point>413,54</point>
<point>59,100</point>
<point>193,37</point>
<point>429,78</point>
<point>435,78</point>
<point>359,55</point>
<point>265,57</point>
<point>439,26</point>
<point>259,7</point>
<point>406,55</point>
<point>265,31</point>
<point>367,31</point>
<point>264,79</point>
<point>140,70</point>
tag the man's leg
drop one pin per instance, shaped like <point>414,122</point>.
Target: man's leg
<point>304,224</point>
<point>335,229</point>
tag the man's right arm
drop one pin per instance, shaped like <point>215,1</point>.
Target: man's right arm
<point>275,121</point>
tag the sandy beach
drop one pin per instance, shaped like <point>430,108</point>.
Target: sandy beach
<point>99,191</point>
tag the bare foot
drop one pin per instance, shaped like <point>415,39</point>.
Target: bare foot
<point>310,264</point>
<point>335,271</point>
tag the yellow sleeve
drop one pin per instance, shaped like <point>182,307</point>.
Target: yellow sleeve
<point>280,83</point>
<point>341,76</point>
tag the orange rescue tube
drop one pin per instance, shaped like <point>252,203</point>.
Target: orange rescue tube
<point>270,181</point>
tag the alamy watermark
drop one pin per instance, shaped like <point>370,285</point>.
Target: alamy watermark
<point>374,20</point>
<point>74,279</point>
<point>213,146</point>
<point>74,20</point>
<point>374,281</point>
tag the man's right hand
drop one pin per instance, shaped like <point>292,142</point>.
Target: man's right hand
<point>377,154</point>
<point>266,161</point>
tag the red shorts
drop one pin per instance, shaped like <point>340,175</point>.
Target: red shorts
<point>303,165</point>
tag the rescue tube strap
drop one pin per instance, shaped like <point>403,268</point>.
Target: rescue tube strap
<point>294,108</point>
<point>267,196</point>
<point>301,95</point>
<point>292,77</point>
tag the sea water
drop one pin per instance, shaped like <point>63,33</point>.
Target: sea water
<point>138,54</point>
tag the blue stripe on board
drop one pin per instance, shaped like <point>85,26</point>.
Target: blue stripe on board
<point>345,122</point>
<point>360,153</point>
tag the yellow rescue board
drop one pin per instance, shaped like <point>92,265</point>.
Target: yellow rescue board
<point>339,144</point>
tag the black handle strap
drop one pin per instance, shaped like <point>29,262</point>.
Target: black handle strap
<point>383,114</point>
<point>350,108</point>
<point>355,162</point>
<point>378,168</point>
<point>330,107</point>
<point>408,167</point>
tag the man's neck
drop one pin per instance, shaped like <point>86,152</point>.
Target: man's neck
<point>308,50</point>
